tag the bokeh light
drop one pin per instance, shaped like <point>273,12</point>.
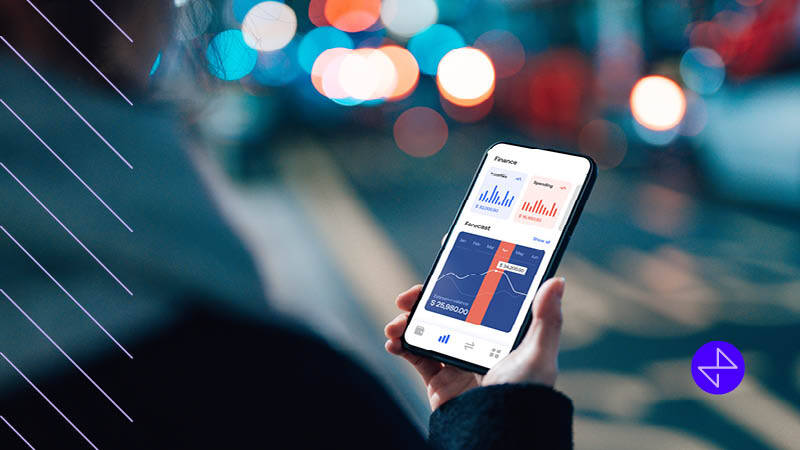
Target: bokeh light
<point>405,18</point>
<point>269,26</point>
<point>713,35</point>
<point>430,45</point>
<point>354,76</point>
<point>406,69</point>
<point>316,13</point>
<point>657,103</point>
<point>326,66</point>
<point>277,68</point>
<point>317,41</point>
<point>367,74</point>
<point>560,83</point>
<point>696,116</point>
<point>420,131</point>
<point>229,58</point>
<point>352,15</point>
<point>465,76</point>
<point>703,70</point>
<point>240,8</point>
<point>192,19</point>
<point>655,137</point>
<point>604,141</point>
<point>467,114</point>
<point>332,86</point>
<point>505,51</point>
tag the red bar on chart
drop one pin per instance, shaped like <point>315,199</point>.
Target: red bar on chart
<point>489,284</point>
<point>539,192</point>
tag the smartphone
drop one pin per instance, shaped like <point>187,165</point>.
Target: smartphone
<point>507,238</point>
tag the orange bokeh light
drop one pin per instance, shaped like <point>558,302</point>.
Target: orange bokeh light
<point>352,15</point>
<point>407,71</point>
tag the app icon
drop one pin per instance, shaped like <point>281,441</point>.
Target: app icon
<point>717,367</point>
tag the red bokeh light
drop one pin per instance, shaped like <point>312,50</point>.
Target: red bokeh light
<point>420,131</point>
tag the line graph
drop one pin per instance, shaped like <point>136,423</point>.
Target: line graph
<point>484,281</point>
<point>503,276</point>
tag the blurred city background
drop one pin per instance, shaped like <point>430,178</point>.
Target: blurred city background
<point>345,134</point>
<point>339,137</point>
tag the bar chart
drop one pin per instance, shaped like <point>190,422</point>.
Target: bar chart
<point>498,192</point>
<point>542,202</point>
<point>539,208</point>
<point>494,197</point>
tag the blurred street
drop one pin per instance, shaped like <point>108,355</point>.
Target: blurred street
<point>644,292</point>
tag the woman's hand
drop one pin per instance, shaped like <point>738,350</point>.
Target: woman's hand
<point>534,361</point>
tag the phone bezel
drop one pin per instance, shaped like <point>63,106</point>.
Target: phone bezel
<point>563,240</point>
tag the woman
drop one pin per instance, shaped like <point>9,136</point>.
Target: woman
<point>213,367</point>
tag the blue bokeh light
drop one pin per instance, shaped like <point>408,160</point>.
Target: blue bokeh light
<point>229,58</point>
<point>277,68</point>
<point>431,44</point>
<point>319,40</point>
<point>703,70</point>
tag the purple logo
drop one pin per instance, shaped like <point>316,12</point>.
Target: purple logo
<point>717,367</point>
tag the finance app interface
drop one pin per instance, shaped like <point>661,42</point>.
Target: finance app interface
<point>484,282</point>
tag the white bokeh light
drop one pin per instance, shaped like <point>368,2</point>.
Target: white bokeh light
<point>269,26</point>
<point>658,103</point>
<point>405,18</point>
<point>367,74</point>
<point>466,76</point>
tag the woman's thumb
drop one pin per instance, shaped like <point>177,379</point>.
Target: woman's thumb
<point>541,342</point>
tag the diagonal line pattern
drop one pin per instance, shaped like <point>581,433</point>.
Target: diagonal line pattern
<point>65,355</point>
<point>48,401</point>
<point>65,165</point>
<point>99,72</point>
<point>17,433</point>
<point>112,21</point>
<point>80,116</point>
<point>66,229</point>
<point>24,250</point>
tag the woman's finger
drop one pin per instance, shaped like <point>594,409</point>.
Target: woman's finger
<point>539,348</point>
<point>406,300</point>
<point>395,328</point>
<point>426,367</point>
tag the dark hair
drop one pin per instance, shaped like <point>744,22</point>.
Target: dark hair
<point>87,28</point>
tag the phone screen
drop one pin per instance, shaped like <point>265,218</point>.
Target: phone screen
<point>476,299</point>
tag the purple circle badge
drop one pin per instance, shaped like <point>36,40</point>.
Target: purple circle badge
<point>717,367</point>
